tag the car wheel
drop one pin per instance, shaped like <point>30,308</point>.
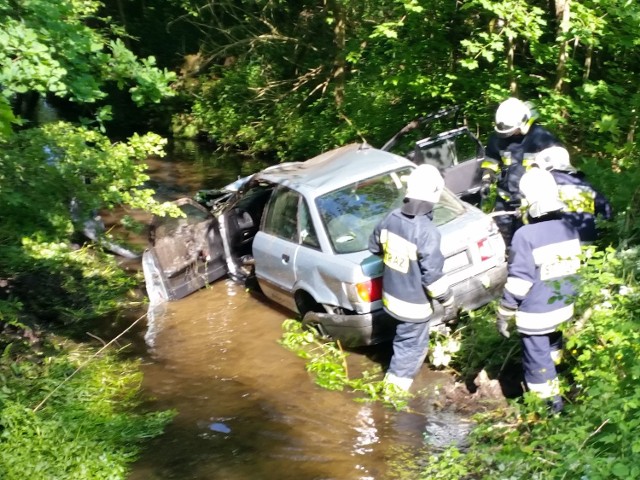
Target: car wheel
<point>154,279</point>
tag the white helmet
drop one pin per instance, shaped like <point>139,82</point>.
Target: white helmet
<point>425,183</point>
<point>513,115</point>
<point>541,192</point>
<point>554,158</point>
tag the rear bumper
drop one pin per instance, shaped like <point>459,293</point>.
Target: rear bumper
<point>354,330</point>
<point>481,289</point>
<point>377,327</point>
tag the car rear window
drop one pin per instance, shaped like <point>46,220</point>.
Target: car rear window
<point>448,208</point>
<point>350,213</point>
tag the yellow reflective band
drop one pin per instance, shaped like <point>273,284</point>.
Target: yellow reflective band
<point>490,165</point>
<point>556,356</point>
<point>504,195</point>
<point>398,252</point>
<point>579,199</point>
<point>518,286</point>
<point>528,160</point>
<point>414,311</point>
<point>506,160</point>
<point>558,259</point>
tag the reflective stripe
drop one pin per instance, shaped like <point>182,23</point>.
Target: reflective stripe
<point>414,311</point>
<point>518,286</point>
<point>548,389</point>
<point>490,165</point>
<point>558,259</point>
<point>398,252</point>
<point>556,356</point>
<point>542,322</point>
<point>528,161</point>
<point>438,288</point>
<point>402,383</point>
<point>504,195</point>
<point>448,302</point>
<point>579,198</point>
<point>507,312</point>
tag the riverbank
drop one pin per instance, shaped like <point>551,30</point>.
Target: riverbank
<point>56,427</point>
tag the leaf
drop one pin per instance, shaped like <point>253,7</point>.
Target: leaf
<point>620,470</point>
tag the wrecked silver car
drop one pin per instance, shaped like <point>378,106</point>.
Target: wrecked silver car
<point>298,233</point>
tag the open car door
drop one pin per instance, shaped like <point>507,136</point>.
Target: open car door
<point>457,154</point>
<point>184,254</point>
<point>441,140</point>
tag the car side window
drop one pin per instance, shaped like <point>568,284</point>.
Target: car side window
<point>282,214</point>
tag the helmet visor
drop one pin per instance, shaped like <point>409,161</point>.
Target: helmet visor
<point>504,130</point>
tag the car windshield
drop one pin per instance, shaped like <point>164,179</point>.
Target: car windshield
<point>350,213</point>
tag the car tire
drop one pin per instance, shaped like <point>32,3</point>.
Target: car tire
<point>155,281</point>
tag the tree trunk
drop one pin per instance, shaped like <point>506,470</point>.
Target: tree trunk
<point>511,52</point>
<point>563,16</point>
<point>339,39</point>
<point>587,63</point>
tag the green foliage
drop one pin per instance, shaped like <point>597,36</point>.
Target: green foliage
<point>53,179</point>
<point>87,430</point>
<point>65,48</point>
<point>595,438</point>
<point>63,286</point>
<point>327,362</point>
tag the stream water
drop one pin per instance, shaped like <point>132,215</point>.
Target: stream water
<point>246,407</point>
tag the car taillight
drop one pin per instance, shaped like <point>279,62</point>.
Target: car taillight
<point>486,249</point>
<point>371,290</point>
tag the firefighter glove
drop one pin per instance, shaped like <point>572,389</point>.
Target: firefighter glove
<point>485,189</point>
<point>450,312</point>
<point>504,315</point>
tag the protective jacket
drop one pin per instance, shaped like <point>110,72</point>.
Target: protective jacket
<point>413,276</point>
<point>507,158</point>
<point>543,262</point>
<point>584,203</point>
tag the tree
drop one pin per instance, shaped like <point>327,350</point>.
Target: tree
<point>53,177</point>
<point>67,50</point>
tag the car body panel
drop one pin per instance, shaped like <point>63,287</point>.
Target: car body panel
<point>187,250</point>
<point>276,267</point>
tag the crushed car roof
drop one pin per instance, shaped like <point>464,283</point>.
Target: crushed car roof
<point>334,169</point>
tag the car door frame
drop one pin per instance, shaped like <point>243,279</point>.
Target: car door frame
<point>463,177</point>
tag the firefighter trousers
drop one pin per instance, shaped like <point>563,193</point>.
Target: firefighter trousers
<point>538,355</point>
<point>410,347</point>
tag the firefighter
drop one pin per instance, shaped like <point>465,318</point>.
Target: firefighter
<point>409,243</point>
<point>584,203</point>
<point>543,262</point>
<point>510,150</point>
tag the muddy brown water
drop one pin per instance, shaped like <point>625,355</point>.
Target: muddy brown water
<point>245,406</point>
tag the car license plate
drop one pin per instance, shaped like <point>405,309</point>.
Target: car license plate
<point>455,262</point>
